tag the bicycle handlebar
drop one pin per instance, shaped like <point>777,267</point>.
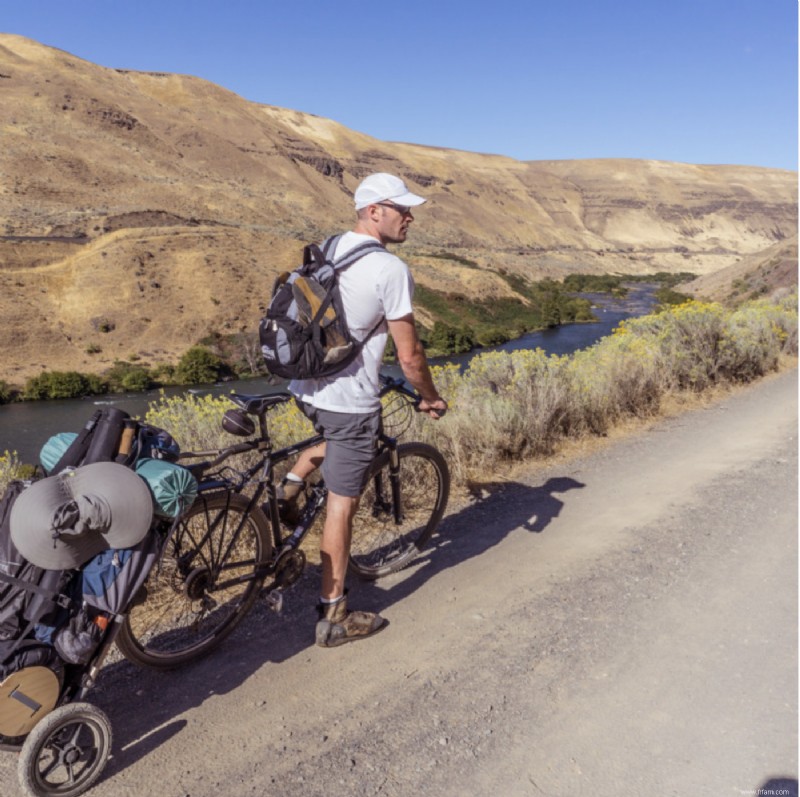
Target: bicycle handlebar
<point>391,383</point>
<point>399,385</point>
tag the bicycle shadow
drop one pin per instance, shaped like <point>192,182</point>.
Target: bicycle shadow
<point>145,706</point>
<point>499,508</point>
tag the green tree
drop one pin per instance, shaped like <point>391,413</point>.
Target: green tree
<point>163,374</point>
<point>464,340</point>
<point>198,365</point>
<point>451,340</point>
<point>6,392</point>
<point>550,310</point>
<point>493,336</point>
<point>124,376</point>
<point>57,385</point>
<point>443,337</point>
<point>96,384</point>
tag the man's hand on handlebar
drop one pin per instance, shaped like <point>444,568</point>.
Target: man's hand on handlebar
<point>435,409</point>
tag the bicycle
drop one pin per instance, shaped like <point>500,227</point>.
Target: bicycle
<point>217,557</point>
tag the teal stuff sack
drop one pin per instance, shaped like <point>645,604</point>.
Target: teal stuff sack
<point>54,449</point>
<point>173,488</point>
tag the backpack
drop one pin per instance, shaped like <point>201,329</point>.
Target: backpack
<point>33,601</point>
<point>304,334</point>
<point>106,586</point>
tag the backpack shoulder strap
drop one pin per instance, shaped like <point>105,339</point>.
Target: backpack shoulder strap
<point>329,245</point>
<point>357,253</point>
<point>328,248</point>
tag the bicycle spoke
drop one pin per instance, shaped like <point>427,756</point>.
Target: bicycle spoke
<point>189,608</point>
<point>383,543</point>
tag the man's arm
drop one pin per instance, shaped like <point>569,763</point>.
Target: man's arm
<point>411,356</point>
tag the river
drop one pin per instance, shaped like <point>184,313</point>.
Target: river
<point>26,426</point>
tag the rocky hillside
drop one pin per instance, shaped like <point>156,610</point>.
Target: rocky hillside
<point>763,273</point>
<point>143,211</point>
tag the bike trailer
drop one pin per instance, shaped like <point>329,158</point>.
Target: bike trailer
<point>32,603</point>
<point>58,621</point>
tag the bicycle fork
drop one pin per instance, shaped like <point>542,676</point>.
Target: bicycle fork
<point>394,481</point>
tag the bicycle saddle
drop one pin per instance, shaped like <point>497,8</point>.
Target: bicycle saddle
<point>256,405</point>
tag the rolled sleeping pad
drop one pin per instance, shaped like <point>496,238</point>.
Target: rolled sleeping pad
<point>105,440</point>
<point>54,449</point>
<point>173,487</point>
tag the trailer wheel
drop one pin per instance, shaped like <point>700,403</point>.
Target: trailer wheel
<point>66,752</point>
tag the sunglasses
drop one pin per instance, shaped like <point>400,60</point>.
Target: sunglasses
<point>401,209</point>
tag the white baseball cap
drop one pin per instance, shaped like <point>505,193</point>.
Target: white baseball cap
<point>380,187</point>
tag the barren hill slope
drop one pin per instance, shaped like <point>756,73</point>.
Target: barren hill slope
<point>142,211</point>
<point>758,274</point>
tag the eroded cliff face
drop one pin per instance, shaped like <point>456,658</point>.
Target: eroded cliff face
<point>143,211</point>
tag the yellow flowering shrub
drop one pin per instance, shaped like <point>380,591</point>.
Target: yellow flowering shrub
<point>10,468</point>
<point>196,421</point>
<point>511,405</point>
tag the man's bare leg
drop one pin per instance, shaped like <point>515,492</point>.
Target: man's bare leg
<point>337,625</point>
<point>335,547</point>
<point>308,461</point>
<point>293,484</point>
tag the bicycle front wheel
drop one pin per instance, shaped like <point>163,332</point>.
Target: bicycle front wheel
<point>206,581</point>
<point>393,525</point>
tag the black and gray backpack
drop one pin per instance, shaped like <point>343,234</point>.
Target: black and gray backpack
<point>304,334</point>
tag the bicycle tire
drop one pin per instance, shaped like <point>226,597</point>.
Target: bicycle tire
<point>379,545</point>
<point>66,752</point>
<point>189,605</point>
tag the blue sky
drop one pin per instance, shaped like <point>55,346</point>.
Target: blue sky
<point>698,81</point>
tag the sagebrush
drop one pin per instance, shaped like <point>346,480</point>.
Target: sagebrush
<point>507,407</point>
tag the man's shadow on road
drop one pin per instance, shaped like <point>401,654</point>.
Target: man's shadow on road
<point>144,705</point>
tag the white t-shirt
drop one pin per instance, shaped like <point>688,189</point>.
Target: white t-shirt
<point>378,286</point>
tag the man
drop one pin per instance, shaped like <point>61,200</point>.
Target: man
<point>345,407</point>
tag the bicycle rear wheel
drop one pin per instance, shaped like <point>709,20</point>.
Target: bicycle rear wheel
<point>204,584</point>
<point>380,544</point>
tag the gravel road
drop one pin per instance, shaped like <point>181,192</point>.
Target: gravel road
<point>620,623</point>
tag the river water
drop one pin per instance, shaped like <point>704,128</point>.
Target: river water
<point>26,426</point>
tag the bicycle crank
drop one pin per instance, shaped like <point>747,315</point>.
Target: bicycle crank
<point>289,568</point>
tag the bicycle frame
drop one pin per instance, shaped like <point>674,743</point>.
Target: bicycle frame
<point>283,548</point>
<point>232,481</point>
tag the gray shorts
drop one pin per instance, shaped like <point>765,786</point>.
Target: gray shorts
<point>350,440</point>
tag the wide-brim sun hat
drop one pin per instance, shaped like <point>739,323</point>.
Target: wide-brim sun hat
<point>62,521</point>
<point>383,187</point>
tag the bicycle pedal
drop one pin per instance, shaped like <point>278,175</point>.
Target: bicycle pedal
<point>274,601</point>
